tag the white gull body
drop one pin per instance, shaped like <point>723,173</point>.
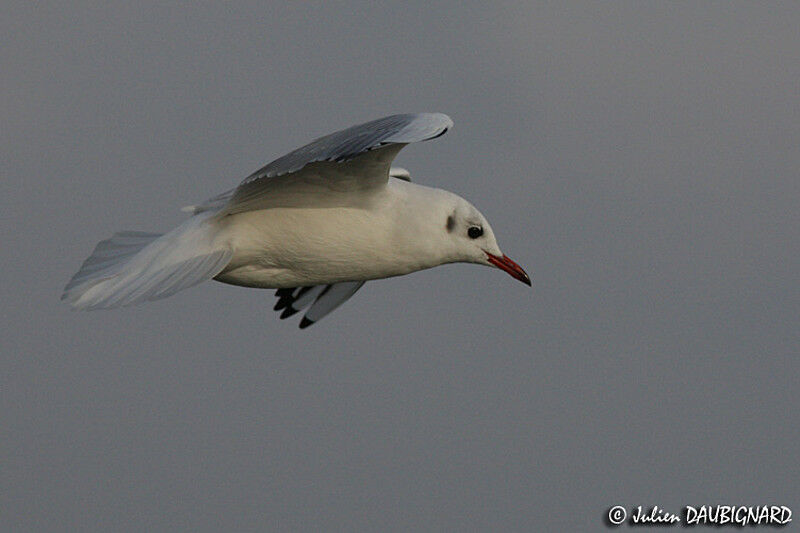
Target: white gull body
<point>314,224</point>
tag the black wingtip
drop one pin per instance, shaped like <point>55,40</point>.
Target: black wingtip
<point>438,135</point>
<point>283,303</point>
<point>284,298</point>
<point>289,311</point>
<point>305,323</point>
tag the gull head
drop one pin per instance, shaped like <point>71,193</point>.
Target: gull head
<point>471,239</point>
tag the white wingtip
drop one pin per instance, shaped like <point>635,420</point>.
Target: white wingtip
<point>400,173</point>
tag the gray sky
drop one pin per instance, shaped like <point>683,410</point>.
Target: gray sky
<point>639,159</point>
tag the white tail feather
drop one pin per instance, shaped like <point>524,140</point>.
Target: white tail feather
<point>132,267</point>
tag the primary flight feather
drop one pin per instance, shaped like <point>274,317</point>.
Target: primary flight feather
<point>314,224</point>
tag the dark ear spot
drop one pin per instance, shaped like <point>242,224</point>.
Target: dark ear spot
<point>451,223</point>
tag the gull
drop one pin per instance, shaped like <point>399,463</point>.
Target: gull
<point>315,224</point>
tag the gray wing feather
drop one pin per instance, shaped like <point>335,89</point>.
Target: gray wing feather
<point>335,162</point>
<point>327,302</point>
<point>346,144</point>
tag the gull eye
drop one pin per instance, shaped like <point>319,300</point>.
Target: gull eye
<point>474,232</point>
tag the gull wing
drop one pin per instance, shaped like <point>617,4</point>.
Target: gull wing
<point>323,299</point>
<point>132,266</point>
<point>354,159</point>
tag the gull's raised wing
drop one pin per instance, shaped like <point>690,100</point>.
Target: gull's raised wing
<point>353,159</point>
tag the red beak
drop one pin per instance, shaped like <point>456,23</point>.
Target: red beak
<point>505,263</point>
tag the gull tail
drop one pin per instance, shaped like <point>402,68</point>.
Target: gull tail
<point>133,267</point>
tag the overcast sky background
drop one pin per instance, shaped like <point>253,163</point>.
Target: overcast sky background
<point>640,160</point>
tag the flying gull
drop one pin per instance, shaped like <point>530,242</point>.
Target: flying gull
<point>315,224</point>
